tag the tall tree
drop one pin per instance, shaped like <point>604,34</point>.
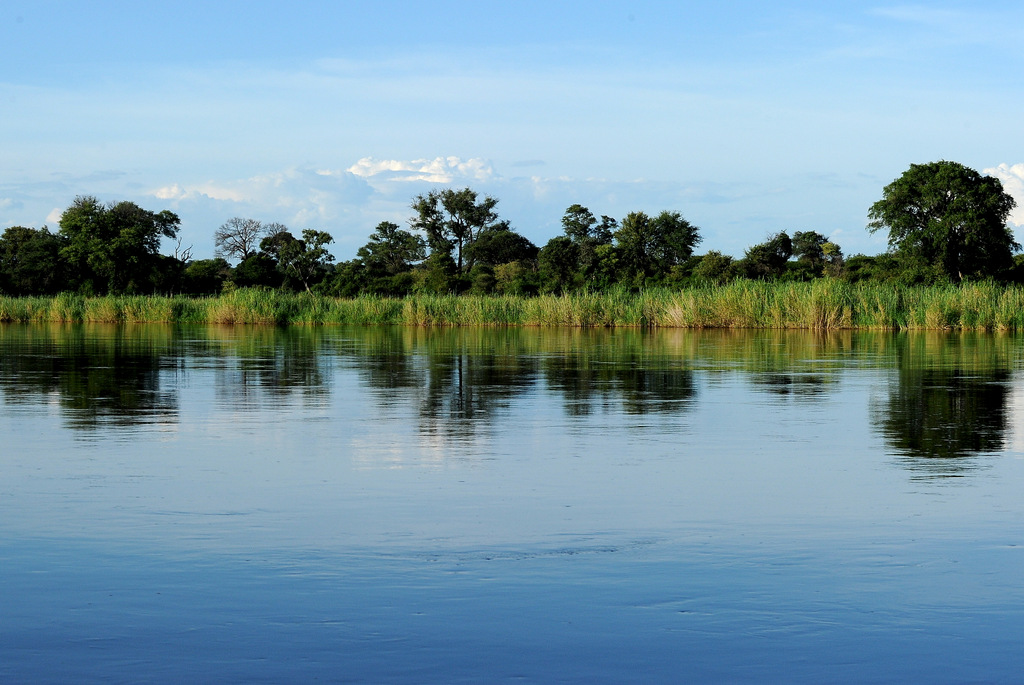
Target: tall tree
<point>392,249</point>
<point>767,260</point>
<point>238,238</point>
<point>808,248</point>
<point>114,248</point>
<point>499,244</point>
<point>715,267</point>
<point>30,261</point>
<point>451,220</point>
<point>305,259</point>
<point>559,260</point>
<point>650,247</point>
<point>587,234</point>
<point>578,223</point>
<point>205,276</point>
<point>947,216</point>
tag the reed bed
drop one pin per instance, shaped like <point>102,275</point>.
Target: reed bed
<point>819,305</point>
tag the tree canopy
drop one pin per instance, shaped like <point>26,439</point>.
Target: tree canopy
<point>768,260</point>
<point>392,249</point>
<point>949,217</point>
<point>30,261</point>
<point>114,248</point>
<point>304,259</point>
<point>238,238</point>
<point>651,246</point>
<point>452,219</point>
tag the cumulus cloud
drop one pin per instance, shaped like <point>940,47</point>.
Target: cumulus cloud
<point>301,197</point>
<point>298,192</point>
<point>437,170</point>
<point>1012,177</point>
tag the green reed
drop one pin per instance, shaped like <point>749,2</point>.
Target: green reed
<point>818,305</point>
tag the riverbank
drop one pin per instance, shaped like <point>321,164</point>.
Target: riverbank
<point>821,305</point>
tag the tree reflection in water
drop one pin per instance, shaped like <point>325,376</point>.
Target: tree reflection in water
<point>947,403</point>
<point>462,379</point>
<point>459,381</point>
<point>98,375</point>
<point>256,366</point>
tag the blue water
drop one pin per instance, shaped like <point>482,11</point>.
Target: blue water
<point>350,505</point>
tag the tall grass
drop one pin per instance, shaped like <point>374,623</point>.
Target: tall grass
<point>819,305</point>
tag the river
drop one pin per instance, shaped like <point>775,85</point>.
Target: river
<point>407,505</point>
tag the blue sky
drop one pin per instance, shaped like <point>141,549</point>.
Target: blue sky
<point>746,117</point>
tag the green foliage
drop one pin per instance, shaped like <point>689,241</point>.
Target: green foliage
<point>946,216</point>
<point>515,279</point>
<point>767,260</point>
<point>305,260</point>
<point>889,268</point>
<point>578,223</point>
<point>258,270</point>
<point>823,304</point>
<point>834,262</point>
<point>559,261</point>
<point>205,276</point>
<point>452,219</point>
<point>30,262</point>
<point>348,280</point>
<point>715,267</point>
<point>651,247</point>
<point>500,245</point>
<point>113,248</point>
<point>392,250</point>
<point>587,234</point>
<point>439,274</point>
<point>809,250</point>
<point>482,279</point>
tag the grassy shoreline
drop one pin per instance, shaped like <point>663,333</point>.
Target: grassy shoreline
<point>818,305</point>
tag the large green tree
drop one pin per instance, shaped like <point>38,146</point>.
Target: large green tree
<point>949,217</point>
<point>452,219</point>
<point>391,249</point>
<point>205,276</point>
<point>500,245</point>
<point>651,246</point>
<point>559,260</point>
<point>587,234</point>
<point>114,248</point>
<point>30,261</point>
<point>767,260</point>
<point>809,250</point>
<point>306,259</point>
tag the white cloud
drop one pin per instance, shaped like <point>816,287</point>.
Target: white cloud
<point>299,197</point>
<point>1012,177</point>
<point>54,216</point>
<point>293,192</point>
<point>437,170</point>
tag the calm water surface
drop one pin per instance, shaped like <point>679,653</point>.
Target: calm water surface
<point>405,505</point>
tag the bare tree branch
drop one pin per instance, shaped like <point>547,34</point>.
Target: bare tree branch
<point>238,238</point>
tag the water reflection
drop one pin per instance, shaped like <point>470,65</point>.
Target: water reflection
<point>99,377</point>
<point>260,366</point>
<point>946,400</point>
<point>630,371</point>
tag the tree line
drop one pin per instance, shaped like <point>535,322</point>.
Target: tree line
<point>946,223</point>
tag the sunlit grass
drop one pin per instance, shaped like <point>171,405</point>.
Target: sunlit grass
<point>819,305</point>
